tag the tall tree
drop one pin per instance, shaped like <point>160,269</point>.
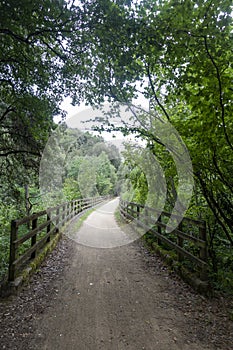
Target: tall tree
<point>181,54</point>
<point>33,55</point>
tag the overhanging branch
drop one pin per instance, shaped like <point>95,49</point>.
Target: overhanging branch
<point>155,95</point>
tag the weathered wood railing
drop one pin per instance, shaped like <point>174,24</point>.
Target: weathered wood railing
<point>32,233</point>
<point>188,240</point>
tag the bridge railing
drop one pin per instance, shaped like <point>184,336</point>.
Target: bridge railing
<point>31,234</point>
<point>189,239</point>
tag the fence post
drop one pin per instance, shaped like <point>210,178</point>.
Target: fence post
<point>13,250</point>
<point>180,242</point>
<point>57,219</point>
<point>132,211</point>
<point>81,205</point>
<point>67,211</point>
<point>138,212</point>
<point>63,213</point>
<point>146,217</point>
<point>203,251</point>
<point>75,207</point>
<point>48,227</point>
<point>128,210</point>
<point>33,240</point>
<point>122,208</point>
<point>159,229</point>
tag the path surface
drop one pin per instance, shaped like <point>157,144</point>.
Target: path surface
<point>115,299</point>
<point>108,301</point>
<point>100,229</point>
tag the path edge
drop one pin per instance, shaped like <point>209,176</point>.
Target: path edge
<point>12,288</point>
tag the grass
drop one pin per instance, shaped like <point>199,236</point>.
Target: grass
<point>82,218</point>
<point>71,228</point>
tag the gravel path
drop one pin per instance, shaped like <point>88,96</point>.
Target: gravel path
<point>100,229</point>
<point>117,298</point>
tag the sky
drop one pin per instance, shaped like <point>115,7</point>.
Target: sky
<point>77,114</point>
<point>72,110</point>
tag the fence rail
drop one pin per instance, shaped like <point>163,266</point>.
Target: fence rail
<point>189,230</point>
<point>32,233</point>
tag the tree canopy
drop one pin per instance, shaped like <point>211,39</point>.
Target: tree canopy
<point>32,59</point>
<point>181,53</point>
<point>176,53</point>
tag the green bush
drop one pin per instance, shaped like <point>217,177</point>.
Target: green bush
<point>7,213</point>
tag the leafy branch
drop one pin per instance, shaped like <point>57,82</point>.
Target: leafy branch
<point>220,92</point>
<point>155,95</point>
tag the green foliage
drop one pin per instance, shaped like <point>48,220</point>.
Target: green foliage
<point>6,214</point>
<point>106,175</point>
<point>91,164</point>
<point>181,54</point>
<point>87,177</point>
<point>139,185</point>
<point>178,52</point>
<point>71,189</point>
<point>33,81</point>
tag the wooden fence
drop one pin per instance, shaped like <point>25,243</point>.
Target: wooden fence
<point>188,240</point>
<point>32,233</point>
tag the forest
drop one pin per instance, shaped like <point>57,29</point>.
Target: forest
<point>177,54</point>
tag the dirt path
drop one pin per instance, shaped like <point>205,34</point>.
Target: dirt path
<point>117,298</point>
<point>100,229</point>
